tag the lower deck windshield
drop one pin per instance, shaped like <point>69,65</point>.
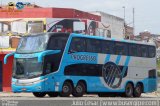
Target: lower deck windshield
<point>27,68</point>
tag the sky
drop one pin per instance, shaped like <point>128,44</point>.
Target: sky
<point>147,16</point>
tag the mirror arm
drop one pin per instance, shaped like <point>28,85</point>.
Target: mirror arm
<point>6,57</point>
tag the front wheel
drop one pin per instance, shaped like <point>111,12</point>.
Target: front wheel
<point>137,90</point>
<point>129,90</point>
<point>66,89</point>
<point>79,90</point>
<point>39,94</point>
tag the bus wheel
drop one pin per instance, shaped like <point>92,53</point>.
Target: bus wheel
<point>79,90</point>
<point>39,94</point>
<point>66,89</point>
<point>137,90</point>
<point>129,90</point>
<point>52,94</point>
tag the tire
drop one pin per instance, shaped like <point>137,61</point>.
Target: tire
<point>52,94</point>
<point>39,94</point>
<point>79,90</point>
<point>137,90</point>
<point>66,89</point>
<point>128,90</point>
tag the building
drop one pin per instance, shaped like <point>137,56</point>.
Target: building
<point>129,32</point>
<point>114,24</point>
<point>143,36</point>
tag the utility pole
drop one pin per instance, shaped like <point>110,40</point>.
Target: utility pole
<point>133,22</point>
<point>124,31</point>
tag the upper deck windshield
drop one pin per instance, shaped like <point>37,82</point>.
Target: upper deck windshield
<point>32,44</point>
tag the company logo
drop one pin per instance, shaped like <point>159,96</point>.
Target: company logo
<point>83,57</point>
<point>14,8</point>
<point>19,5</point>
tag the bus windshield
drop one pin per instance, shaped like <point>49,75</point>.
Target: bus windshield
<point>27,68</point>
<point>32,44</point>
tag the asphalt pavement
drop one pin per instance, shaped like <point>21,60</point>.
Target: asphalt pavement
<point>27,99</point>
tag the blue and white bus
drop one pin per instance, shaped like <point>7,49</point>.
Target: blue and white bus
<point>61,64</point>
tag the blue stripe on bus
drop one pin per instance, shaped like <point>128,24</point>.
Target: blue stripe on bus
<point>113,39</point>
<point>117,62</point>
<point>118,59</point>
<point>125,65</point>
<point>108,56</point>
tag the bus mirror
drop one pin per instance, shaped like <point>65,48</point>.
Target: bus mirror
<point>47,52</point>
<point>6,57</point>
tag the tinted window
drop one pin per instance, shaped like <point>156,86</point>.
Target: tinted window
<point>132,50</point>
<point>77,45</point>
<point>57,43</point>
<point>152,51</point>
<point>83,70</point>
<point>93,45</point>
<point>144,51</point>
<point>121,48</point>
<point>139,51</point>
<point>107,47</point>
<point>152,73</point>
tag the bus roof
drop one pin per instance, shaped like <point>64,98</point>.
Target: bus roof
<point>92,37</point>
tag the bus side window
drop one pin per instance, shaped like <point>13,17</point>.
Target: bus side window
<point>107,47</point>
<point>133,50</point>
<point>94,45</point>
<point>77,45</point>
<point>139,51</point>
<point>144,51</point>
<point>152,52</point>
<point>121,48</point>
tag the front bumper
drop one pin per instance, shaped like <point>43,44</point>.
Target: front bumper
<point>29,85</point>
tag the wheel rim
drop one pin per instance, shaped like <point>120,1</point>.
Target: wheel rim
<point>79,89</point>
<point>128,90</point>
<point>65,89</point>
<point>138,90</point>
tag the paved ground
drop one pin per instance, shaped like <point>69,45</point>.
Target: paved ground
<point>27,99</point>
<point>30,95</point>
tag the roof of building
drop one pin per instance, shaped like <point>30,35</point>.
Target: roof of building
<point>100,13</point>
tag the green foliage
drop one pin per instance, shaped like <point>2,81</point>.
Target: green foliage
<point>158,67</point>
<point>158,64</point>
<point>158,73</point>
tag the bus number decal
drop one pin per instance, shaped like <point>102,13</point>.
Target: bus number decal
<point>83,57</point>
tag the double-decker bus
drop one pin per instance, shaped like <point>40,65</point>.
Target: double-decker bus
<point>61,64</point>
